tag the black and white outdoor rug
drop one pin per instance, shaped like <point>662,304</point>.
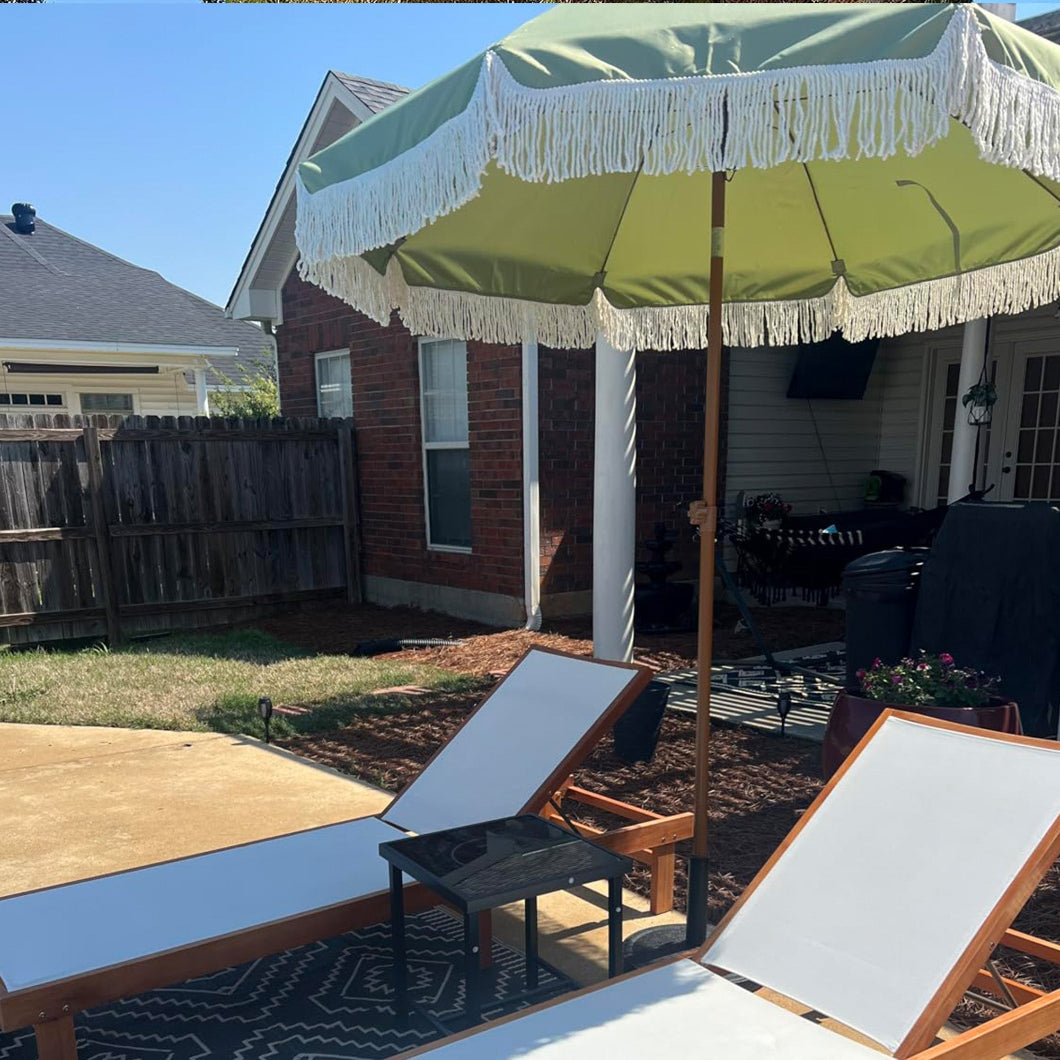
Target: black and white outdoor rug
<point>749,692</point>
<point>329,1000</point>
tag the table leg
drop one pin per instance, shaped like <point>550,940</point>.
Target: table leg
<point>55,1039</point>
<point>531,943</point>
<point>614,926</point>
<point>472,1001</point>
<point>397,931</point>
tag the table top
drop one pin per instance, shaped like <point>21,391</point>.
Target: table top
<point>480,866</point>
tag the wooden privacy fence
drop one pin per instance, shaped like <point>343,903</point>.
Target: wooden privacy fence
<point>125,526</point>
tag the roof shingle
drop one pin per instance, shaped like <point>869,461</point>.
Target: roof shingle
<point>54,286</point>
<point>375,95</point>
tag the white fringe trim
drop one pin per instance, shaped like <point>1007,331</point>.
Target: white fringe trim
<point>877,108</point>
<point>1007,288</point>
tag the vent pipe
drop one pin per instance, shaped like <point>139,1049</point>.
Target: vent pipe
<point>25,218</point>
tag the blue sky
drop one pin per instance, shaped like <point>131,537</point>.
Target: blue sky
<point>158,130</point>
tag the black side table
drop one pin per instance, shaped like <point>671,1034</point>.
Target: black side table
<point>481,866</point>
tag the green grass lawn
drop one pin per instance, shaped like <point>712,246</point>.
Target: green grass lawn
<point>205,682</point>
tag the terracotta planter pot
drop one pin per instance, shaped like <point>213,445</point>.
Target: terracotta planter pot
<point>852,716</point>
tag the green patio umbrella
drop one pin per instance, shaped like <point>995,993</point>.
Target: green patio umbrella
<point>872,169</point>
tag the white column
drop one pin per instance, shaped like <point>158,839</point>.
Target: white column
<point>202,399</point>
<point>531,489</point>
<point>614,502</point>
<point>962,460</point>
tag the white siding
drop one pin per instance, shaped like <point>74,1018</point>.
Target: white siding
<point>773,444</point>
<point>904,395</point>
<point>165,394</point>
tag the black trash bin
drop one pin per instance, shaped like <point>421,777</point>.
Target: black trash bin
<point>880,591</point>
<point>636,733</point>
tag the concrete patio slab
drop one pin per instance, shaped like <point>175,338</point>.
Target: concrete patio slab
<point>80,801</point>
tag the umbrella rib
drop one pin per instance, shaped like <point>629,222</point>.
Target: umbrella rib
<point>618,223</point>
<point>820,211</point>
<point>816,198</point>
<point>1048,191</point>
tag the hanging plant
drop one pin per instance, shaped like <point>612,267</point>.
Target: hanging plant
<point>982,394</point>
<point>979,401</point>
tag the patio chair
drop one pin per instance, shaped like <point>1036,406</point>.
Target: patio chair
<point>880,909</point>
<point>67,948</point>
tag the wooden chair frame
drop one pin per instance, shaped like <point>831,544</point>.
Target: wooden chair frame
<point>1037,1013</point>
<point>50,1007</point>
<point>650,839</point>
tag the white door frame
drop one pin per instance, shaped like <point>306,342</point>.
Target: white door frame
<point>1014,351</point>
<point>939,357</point>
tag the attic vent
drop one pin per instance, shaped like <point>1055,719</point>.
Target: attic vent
<point>25,218</point>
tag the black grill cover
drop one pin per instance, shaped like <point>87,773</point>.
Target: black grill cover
<point>990,596</point>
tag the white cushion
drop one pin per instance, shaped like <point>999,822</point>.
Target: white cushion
<point>516,740</point>
<point>870,908</point>
<point>678,1010</point>
<point>80,927</point>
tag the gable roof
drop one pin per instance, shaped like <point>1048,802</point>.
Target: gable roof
<point>56,287</point>
<point>375,95</point>
<point>342,102</point>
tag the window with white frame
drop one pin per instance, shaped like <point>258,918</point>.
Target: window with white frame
<point>106,403</point>
<point>446,460</point>
<point>21,401</point>
<point>334,387</point>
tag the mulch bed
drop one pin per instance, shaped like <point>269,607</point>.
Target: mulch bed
<point>486,651</point>
<point>760,785</point>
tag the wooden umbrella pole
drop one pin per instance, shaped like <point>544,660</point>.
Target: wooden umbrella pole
<point>707,517</point>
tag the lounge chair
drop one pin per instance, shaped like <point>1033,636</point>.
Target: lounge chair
<point>880,909</point>
<point>64,949</point>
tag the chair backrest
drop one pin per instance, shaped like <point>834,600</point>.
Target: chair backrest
<point>521,743</point>
<point>879,905</point>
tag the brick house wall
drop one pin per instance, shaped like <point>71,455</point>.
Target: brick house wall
<point>566,381</point>
<point>669,460</point>
<point>384,370</point>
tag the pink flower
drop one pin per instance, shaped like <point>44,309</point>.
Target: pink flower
<point>877,663</point>
<point>921,666</point>
<point>861,674</point>
<point>946,659</point>
<point>896,679</point>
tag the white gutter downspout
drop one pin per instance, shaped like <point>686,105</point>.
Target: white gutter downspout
<point>531,489</point>
<point>202,398</point>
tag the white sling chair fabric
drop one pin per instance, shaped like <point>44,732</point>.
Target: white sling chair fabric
<point>515,741</point>
<point>872,905</point>
<point>490,768</point>
<point>63,931</point>
<point>678,1010</point>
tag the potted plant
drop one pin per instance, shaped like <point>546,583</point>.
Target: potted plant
<point>932,685</point>
<point>766,510</point>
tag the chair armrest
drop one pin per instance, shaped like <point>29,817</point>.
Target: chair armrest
<point>1003,1034</point>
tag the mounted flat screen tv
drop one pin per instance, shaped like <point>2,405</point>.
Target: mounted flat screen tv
<point>834,369</point>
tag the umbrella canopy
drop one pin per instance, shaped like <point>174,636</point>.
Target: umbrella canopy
<point>887,168</point>
<point>556,185</point>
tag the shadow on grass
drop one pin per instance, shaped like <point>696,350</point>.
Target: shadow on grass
<point>239,645</point>
<point>238,714</point>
